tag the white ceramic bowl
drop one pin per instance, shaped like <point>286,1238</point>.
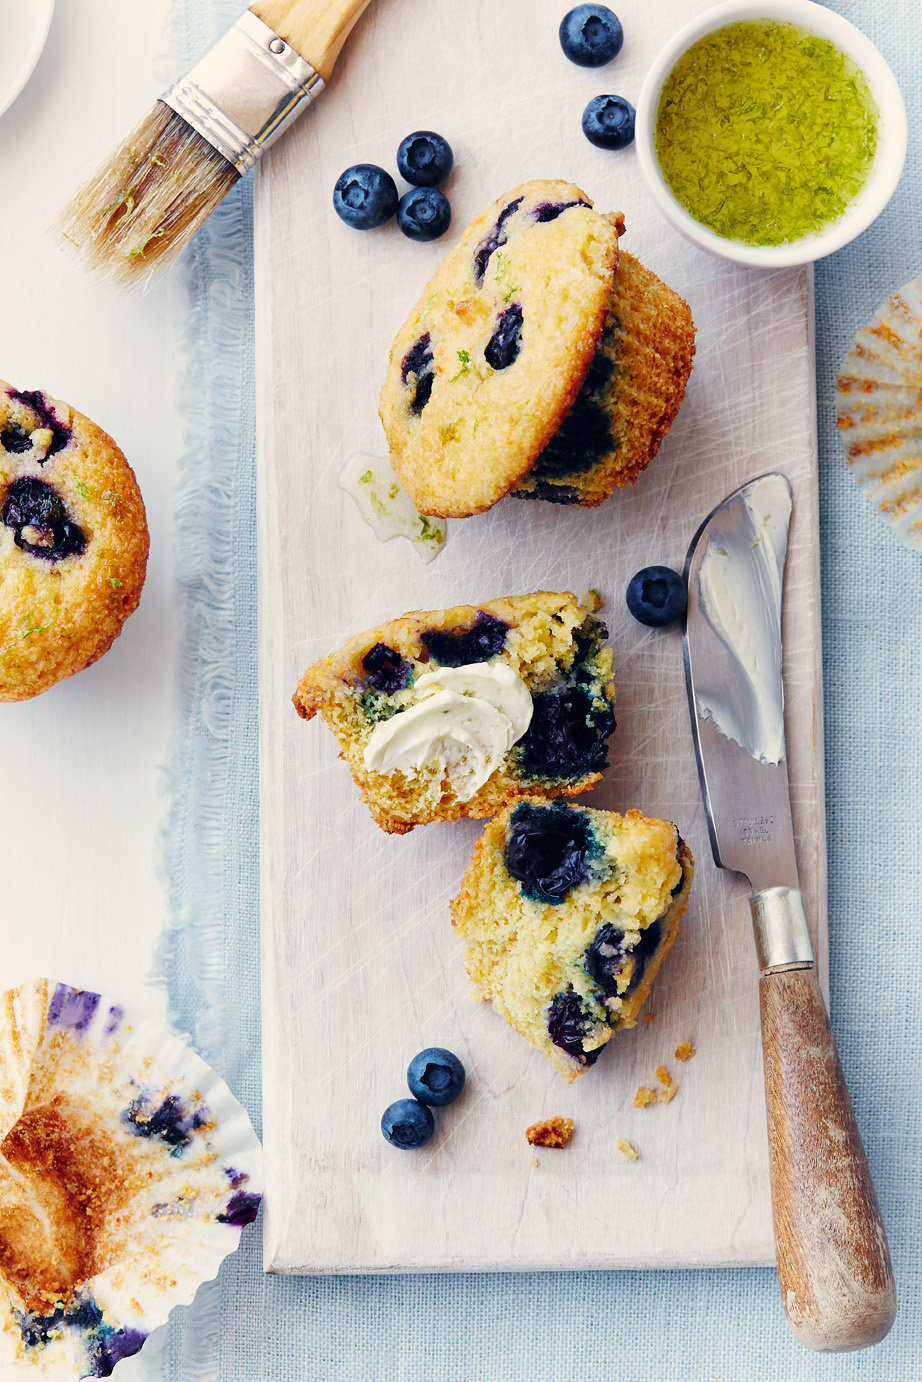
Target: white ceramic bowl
<point>24,26</point>
<point>891,143</point>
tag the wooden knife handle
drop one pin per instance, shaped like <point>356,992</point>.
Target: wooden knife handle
<point>834,1264</point>
<point>316,29</point>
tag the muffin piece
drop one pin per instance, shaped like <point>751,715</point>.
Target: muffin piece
<point>454,712</point>
<point>73,542</point>
<point>568,913</point>
<point>490,360</point>
<point>629,398</point>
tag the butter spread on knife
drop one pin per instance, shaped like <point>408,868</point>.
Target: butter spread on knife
<point>742,603</point>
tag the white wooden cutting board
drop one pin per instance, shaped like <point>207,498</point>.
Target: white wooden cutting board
<point>361,968</point>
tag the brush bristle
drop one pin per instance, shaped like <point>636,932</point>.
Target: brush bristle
<point>133,217</point>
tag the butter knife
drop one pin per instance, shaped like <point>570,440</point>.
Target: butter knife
<point>833,1260</point>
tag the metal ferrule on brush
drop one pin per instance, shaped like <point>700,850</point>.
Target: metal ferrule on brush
<point>245,91</point>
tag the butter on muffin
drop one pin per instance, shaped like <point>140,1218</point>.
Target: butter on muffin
<point>73,542</point>
<point>493,355</point>
<point>568,913</point>
<point>448,713</point>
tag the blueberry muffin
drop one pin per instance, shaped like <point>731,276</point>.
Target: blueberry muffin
<point>73,542</point>
<point>568,913</point>
<point>454,712</point>
<point>490,360</point>
<point>629,397</point>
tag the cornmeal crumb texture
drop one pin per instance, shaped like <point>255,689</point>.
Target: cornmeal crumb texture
<point>73,542</point>
<point>567,973</point>
<point>552,1132</point>
<point>537,361</point>
<point>547,639</point>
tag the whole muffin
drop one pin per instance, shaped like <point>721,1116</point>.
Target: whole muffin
<point>73,542</point>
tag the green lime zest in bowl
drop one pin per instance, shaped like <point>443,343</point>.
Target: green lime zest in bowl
<point>766,132</point>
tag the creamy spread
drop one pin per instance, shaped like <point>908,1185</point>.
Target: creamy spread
<point>387,508</point>
<point>461,723</point>
<point>740,584</point>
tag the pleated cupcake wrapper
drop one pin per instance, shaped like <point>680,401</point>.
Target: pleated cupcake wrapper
<point>189,1171</point>
<point>879,412</point>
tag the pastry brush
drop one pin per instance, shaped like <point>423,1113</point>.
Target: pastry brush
<point>135,214</point>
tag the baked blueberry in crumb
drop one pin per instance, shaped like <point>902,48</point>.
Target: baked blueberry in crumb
<point>503,346</point>
<point>407,1124</point>
<point>435,1076</point>
<point>170,1121</point>
<point>384,669</point>
<point>549,211</point>
<point>424,158</point>
<point>568,1023</point>
<point>491,244</point>
<point>38,403</point>
<point>40,522</point>
<point>417,372</point>
<point>460,647</point>
<point>548,849</point>
<point>566,737</point>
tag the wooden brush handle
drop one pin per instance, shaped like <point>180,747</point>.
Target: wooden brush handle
<point>316,29</point>
<point>833,1260</point>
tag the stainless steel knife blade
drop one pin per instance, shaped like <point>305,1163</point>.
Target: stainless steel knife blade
<point>833,1260</point>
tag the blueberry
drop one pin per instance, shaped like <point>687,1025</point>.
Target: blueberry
<point>423,213</point>
<point>424,158</point>
<point>385,670</point>
<point>418,363</point>
<point>566,737</point>
<point>547,849</point>
<point>492,242</point>
<point>503,346</point>
<point>656,596</point>
<point>567,1023</point>
<point>407,1124</point>
<point>459,647</point>
<point>549,211</point>
<point>591,35</point>
<point>608,122</point>
<point>40,522</point>
<point>435,1076</point>
<point>365,196</point>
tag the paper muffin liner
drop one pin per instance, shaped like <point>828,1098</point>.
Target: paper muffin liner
<point>127,1170</point>
<point>879,412</point>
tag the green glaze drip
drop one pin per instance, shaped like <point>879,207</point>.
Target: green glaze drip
<point>765,132</point>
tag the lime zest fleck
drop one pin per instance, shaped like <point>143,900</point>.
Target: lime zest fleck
<point>465,357</point>
<point>83,489</point>
<point>115,582</point>
<point>366,479</point>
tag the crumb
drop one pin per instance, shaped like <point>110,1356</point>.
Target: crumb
<point>535,1161</point>
<point>627,1149</point>
<point>552,1132</point>
<point>684,1051</point>
<point>648,1017</point>
<point>662,1074</point>
<point>592,600</point>
<point>644,1096</point>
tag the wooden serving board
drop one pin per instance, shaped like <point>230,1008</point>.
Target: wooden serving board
<point>361,968</point>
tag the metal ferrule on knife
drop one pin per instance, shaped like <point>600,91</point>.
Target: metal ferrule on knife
<point>780,929</point>
<point>245,91</point>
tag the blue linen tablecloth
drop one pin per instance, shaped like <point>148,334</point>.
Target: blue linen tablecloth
<point>520,1327</point>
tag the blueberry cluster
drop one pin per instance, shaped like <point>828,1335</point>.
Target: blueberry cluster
<point>366,196</point>
<point>590,36</point>
<point>435,1077</point>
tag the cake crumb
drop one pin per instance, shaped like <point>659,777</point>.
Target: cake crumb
<point>684,1051</point>
<point>625,1147</point>
<point>646,1096</point>
<point>592,600</point>
<point>535,1161</point>
<point>648,1017</point>
<point>662,1074</point>
<point>551,1132</point>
